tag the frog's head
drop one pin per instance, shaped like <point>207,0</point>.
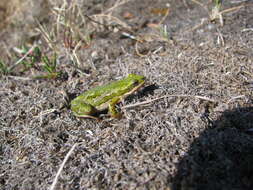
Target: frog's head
<point>136,80</point>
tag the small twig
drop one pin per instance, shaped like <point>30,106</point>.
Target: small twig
<point>235,98</point>
<point>116,5</point>
<point>238,1</point>
<point>93,20</point>
<point>138,52</point>
<point>115,19</point>
<point>62,165</point>
<point>220,38</point>
<point>46,35</point>
<point>46,112</point>
<point>200,4</point>
<point>232,9</point>
<point>203,22</point>
<point>74,52</point>
<point>19,78</point>
<point>164,17</point>
<point>168,96</point>
<point>129,36</point>
<point>247,29</point>
<point>215,14</point>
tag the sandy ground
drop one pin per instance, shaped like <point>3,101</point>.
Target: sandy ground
<point>189,127</point>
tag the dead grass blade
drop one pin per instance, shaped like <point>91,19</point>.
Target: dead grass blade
<point>22,58</point>
<point>169,96</point>
<point>62,165</point>
<point>117,4</point>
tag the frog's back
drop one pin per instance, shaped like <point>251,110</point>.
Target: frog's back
<point>99,94</point>
<point>102,94</point>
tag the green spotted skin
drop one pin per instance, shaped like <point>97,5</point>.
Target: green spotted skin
<point>106,96</point>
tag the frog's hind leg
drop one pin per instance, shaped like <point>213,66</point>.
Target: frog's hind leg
<point>82,109</point>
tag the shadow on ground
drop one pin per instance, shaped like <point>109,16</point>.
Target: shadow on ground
<point>222,156</point>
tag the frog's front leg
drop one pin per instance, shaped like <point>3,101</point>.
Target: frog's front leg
<point>112,108</point>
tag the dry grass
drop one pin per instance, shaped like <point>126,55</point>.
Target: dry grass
<point>188,128</point>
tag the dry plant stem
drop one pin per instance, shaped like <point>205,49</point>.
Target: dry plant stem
<point>212,17</point>
<point>119,3</point>
<point>118,21</point>
<point>197,2</point>
<point>139,40</point>
<point>164,17</point>
<point>92,20</point>
<point>247,29</point>
<point>19,78</point>
<point>168,96</point>
<point>6,48</point>
<point>137,51</point>
<point>59,14</point>
<point>129,36</point>
<point>220,37</point>
<point>22,58</point>
<point>46,112</point>
<point>74,52</point>
<point>46,36</point>
<point>235,98</point>
<point>62,165</point>
<point>203,22</point>
<point>74,56</point>
<point>232,9</point>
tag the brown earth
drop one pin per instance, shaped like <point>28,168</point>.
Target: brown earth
<point>193,126</point>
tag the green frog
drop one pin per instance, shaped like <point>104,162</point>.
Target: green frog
<point>107,96</point>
